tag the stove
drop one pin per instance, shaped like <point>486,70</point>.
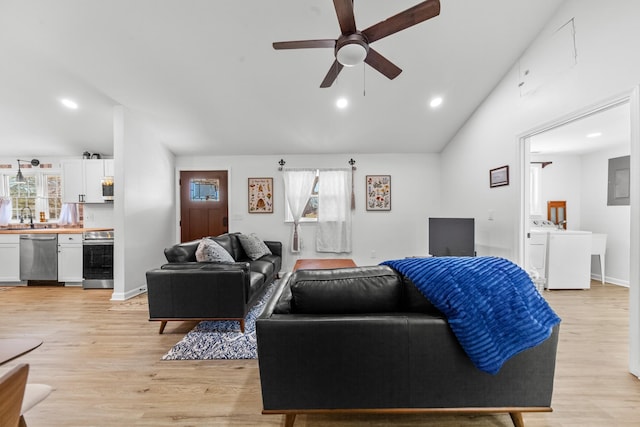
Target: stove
<point>97,259</point>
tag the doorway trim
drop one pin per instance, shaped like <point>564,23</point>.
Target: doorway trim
<point>523,151</point>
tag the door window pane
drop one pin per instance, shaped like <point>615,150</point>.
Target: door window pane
<point>204,189</point>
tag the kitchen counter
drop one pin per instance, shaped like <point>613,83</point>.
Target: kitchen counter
<point>62,230</point>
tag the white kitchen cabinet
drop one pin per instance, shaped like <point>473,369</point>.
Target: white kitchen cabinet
<point>109,167</point>
<point>9,258</point>
<point>70,258</point>
<point>82,180</point>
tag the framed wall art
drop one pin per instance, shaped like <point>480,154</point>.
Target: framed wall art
<point>260,195</point>
<point>499,176</point>
<point>378,192</point>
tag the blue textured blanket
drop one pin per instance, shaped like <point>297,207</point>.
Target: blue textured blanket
<point>491,304</point>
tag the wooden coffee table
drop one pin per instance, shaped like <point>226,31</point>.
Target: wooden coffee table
<point>323,263</point>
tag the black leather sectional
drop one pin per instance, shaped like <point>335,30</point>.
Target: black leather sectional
<point>184,289</point>
<point>366,339</point>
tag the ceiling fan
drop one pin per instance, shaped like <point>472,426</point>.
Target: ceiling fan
<point>352,46</point>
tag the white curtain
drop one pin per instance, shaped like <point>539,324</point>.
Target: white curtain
<point>5,210</point>
<point>42,200</point>
<point>69,214</point>
<point>334,212</point>
<point>298,185</point>
<point>5,202</point>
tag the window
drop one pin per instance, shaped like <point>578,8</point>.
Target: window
<point>204,189</point>
<point>535,184</point>
<point>40,192</point>
<point>310,212</point>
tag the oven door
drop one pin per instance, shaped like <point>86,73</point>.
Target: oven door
<point>97,264</point>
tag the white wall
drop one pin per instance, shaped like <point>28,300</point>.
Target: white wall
<point>607,37</point>
<point>144,207</point>
<point>377,236</point>
<point>611,220</point>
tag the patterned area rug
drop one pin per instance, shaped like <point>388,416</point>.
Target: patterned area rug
<point>221,339</point>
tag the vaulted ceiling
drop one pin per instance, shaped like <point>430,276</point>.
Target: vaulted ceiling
<point>205,76</point>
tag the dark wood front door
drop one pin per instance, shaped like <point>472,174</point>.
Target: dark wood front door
<point>203,204</point>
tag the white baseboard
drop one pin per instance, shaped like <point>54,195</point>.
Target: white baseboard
<point>119,296</point>
<point>610,280</point>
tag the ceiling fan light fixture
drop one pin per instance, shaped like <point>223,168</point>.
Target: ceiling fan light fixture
<point>351,54</point>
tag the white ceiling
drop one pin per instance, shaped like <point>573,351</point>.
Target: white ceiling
<point>205,76</point>
<point>595,132</point>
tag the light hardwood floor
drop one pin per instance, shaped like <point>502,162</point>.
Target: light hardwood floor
<point>103,360</point>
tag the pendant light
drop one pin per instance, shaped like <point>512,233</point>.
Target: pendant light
<point>19,176</point>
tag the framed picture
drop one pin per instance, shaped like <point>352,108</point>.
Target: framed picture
<point>499,176</point>
<point>260,195</point>
<point>378,192</point>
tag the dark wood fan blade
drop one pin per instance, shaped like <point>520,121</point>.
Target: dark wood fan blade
<point>304,44</point>
<point>332,75</point>
<point>382,64</point>
<point>412,16</point>
<point>344,10</point>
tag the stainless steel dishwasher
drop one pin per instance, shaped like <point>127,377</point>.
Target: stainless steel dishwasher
<point>39,257</point>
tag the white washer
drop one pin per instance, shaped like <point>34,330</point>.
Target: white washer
<point>568,259</point>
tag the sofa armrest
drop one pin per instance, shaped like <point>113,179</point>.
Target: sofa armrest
<point>271,304</point>
<point>274,247</point>
<point>198,293</point>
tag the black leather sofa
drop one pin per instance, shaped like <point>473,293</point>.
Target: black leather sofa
<point>184,289</point>
<point>366,340</point>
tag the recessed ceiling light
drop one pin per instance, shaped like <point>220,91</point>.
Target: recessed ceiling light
<point>72,105</point>
<point>594,135</point>
<point>342,103</point>
<point>435,102</point>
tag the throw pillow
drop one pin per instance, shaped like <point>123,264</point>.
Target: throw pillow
<point>253,246</point>
<point>210,250</point>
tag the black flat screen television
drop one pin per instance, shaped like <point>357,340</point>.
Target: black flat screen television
<point>452,236</point>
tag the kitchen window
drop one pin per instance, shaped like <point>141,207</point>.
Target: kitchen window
<point>40,192</point>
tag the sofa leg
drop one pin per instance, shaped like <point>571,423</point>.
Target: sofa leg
<point>162,325</point>
<point>242,325</point>
<point>289,420</point>
<point>517,419</point>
